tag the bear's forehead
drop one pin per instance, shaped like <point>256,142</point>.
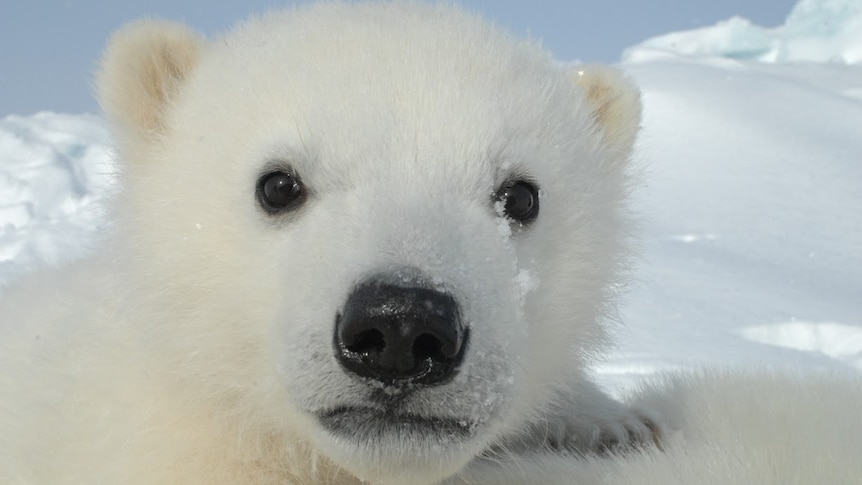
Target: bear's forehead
<point>389,36</point>
<point>381,85</point>
<point>381,62</point>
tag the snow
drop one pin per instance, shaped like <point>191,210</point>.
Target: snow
<point>53,170</point>
<point>835,340</point>
<point>815,31</point>
<point>751,202</point>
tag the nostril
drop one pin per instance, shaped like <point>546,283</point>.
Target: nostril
<point>366,342</point>
<point>427,346</point>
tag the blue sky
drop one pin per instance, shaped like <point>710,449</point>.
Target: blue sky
<point>50,47</point>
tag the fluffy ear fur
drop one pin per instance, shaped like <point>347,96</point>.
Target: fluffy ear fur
<point>615,103</point>
<point>142,70</point>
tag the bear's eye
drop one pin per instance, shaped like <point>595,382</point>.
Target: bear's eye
<point>279,191</point>
<point>520,201</point>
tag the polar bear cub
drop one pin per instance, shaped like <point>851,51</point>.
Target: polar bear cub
<point>352,241</point>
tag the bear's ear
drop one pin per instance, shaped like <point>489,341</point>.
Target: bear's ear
<point>615,104</point>
<point>142,70</point>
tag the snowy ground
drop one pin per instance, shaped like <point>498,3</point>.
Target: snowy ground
<point>752,202</point>
<point>753,216</point>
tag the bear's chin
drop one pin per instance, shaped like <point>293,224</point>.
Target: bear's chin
<point>387,447</point>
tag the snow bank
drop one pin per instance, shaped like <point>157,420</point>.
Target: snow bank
<point>53,167</point>
<point>752,241</point>
<point>815,31</point>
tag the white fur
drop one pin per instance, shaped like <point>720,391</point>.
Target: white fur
<point>196,347</point>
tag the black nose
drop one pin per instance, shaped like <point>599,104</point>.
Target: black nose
<point>400,335</point>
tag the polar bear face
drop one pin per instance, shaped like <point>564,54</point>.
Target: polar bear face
<point>389,230</point>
